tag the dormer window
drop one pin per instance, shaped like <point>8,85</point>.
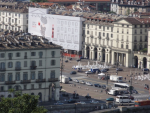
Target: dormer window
<point>135,3</point>
<point>129,2</point>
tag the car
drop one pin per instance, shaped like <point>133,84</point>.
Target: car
<point>66,61</point>
<point>58,103</point>
<point>97,85</point>
<point>119,69</point>
<point>89,72</point>
<point>76,80</point>
<point>73,72</point>
<point>94,102</point>
<point>65,95</point>
<point>87,96</point>
<point>145,69</point>
<point>89,84</point>
<point>106,69</point>
<point>110,99</point>
<point>70,58</point>
<point>70,79</point>
<point>71,101</point>
<point>103,87</point>
<point>82,82</point>
<point>145,72</point>
<point>78,60</point>
<point>80,103</point>
<point>131,97</point>
<point>125,92</point>
<point>103,71</point>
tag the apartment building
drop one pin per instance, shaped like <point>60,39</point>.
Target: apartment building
<point>14,16</point>
<point>30,64</point>
<point>115,41</point>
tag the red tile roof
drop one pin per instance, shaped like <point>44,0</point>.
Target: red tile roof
<point>43,3</point>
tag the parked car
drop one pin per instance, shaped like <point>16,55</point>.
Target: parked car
<point>94,102</point>
<point>70,79</point>
<point>70,58</point>
<point>80,103</point>
<point>89,72</point>
<point>89,84</point>
<point>119,69</point>
<point>58,103</point>
<point>103,86</point>
<point>88,97</point>
<point>73,72</point>
<point>103,70</point>
<point>82,82</point>
<point>78,60</point>
<point>65,95</point>
<point>131,97</point>
<point>71,101</point>
<point>146,86</point>
<point>66,60</point>
<point>145,69</point>
<point>76,80</point>
<point>106,69</point>
<point>97,85</point>
<point>110,99</point>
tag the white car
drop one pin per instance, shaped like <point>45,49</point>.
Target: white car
<point>89,72</point>
<point>75,80</point>
<point>58,103</point>
<point>81,103</point>
<point>94,102</point>
<point>89,84</point>
<point>82,82</point>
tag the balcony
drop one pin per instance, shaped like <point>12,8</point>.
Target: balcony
<point>15,24</point>
<point>53,79</point>
<point>33,67</point>
<point>3,69</point>
<point>25,81</point>
<point>18,68</point>
<point>10,82</point>
<point>40,80</point>
<point>25,57</point>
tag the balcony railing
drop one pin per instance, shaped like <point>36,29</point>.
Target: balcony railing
<point>40,80</point>
<point>33,67</point>
<point>2,69</point>
<point>53,79</point>
<point>25,57</point>
<point>18,68</point>
<point>10,82</point>
<point>25,81</point>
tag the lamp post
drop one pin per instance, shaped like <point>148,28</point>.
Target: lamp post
<point>61,64</point>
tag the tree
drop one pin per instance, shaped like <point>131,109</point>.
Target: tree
<point>21,104</point>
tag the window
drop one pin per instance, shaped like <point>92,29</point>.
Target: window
<point>111,29</point>
<point>32,86</point>
<point>2,77</point>
<point>99,27</point>
<point>135,26</point>
<point>33,53</point>
<point>87,32</point>
<point>10,64</point>
<point>2,88</point>
<point>10,56</point>
<point>9,76</point>
<point>103,34</point>
<point>52,62</point>
<point>145,46</point>
<point>111,35</point>
<point>99,34</point>
<point>107,35</point>
<point>122,25</point>
<point>121,45</point>
<point>40,62</point>
<point>141,38</point>
<point>17,76</point>
<point>32,75</point>
<point>17,54</point>
<point>103,28</point>
<point>27,16</point>
<point>40,75</point>
<point>33,63</point>
<point>2,65</point>
<point>126,46</point>
<point>127,25</point>
<point>107,28</point>
<point>25,76</point>
<point>9,87</point>
<point>140,31</point>
<point>18,64</point>
<point>19,15</point>
<point>15,14</point>
<point>40,85</point>
<point>141,26</point>
<point>25,63</point>
<point>2,55</point>
<point>25,86</point>
<point>53,53</point>
<point>40,54</point>
<point>25,55</point>
<point>52,75</point>
<point>135,31</point>
<point>117,30</point>
<point>145,38</point>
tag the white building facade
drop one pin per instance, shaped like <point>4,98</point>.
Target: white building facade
<point>31,67</point>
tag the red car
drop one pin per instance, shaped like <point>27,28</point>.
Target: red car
<point>131,97</point>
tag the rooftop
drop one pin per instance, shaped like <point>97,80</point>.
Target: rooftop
<point>10,40</point>
<point>78,1</point>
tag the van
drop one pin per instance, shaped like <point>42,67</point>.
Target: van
<point>123,99</point>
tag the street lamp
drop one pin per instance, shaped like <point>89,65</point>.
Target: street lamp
<point>61,64</point>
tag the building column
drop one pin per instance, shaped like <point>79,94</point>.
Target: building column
<point>85,53</point>
<point>112,58</point>
<point>119,57</point>
<point>124,59</point>
<point>106,57</point>
<point>57,89</point>
<point>109,57</point>
<point>93,55</point>
<point>127,60</point>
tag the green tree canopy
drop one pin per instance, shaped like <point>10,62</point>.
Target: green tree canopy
<point>21,104</point>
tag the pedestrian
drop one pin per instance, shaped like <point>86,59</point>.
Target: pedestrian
<point>106,91</point>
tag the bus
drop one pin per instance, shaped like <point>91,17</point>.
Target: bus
<point>142,103</point>
<point>121,85</point>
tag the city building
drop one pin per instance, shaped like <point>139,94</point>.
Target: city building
<point>14,16</point>
<point>126,7</point>
<point>114,41</point>
<point>30,64</point>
